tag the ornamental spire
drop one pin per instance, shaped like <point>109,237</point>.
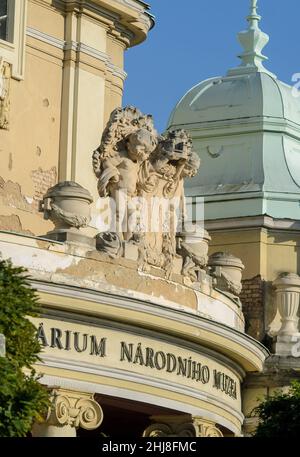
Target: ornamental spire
<point>253,40</point>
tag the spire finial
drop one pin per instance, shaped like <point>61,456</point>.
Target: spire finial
<point>253,8</point>
<point>253,17</point>
<point>253,41</point>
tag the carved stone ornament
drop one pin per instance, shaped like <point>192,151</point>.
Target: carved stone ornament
<point>192,245</point>
<point>226,270</point>
<point>74,409</point>
<point>67,205</point>
<point>134,162</point>
<point>171,426</point>
<point>183,426</point>
<point>206,429</point>
<point>5,76</point>
<point>109,243</point>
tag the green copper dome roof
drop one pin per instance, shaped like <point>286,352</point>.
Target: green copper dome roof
<point>249,90</point>
<point>245,127</point>
<point>236,97</point>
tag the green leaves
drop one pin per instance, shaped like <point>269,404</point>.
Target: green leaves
<point>22,398</point>
<point>280,414</point>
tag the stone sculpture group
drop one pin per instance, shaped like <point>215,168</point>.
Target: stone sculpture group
<point>142,174</point>
<point>134,162</point>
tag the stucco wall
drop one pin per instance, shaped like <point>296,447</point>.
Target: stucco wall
<point>73,79</point>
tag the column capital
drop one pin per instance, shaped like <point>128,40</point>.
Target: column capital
<point>205,428</point>
<point>77,409</point>
<point>183,425</point>
<point>69,410</point>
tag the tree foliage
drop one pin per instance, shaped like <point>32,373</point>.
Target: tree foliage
<point>279,415</point>
<point>23,400</point>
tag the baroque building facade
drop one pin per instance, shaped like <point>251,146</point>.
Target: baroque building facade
<point>142,327</point>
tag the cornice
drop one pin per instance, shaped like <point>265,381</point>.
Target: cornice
<point>77,47</point>
<point>215,195</point>
<point>241,126</point>
<point>131,17</point>
<point>158,318</point>
<point>259,222</point>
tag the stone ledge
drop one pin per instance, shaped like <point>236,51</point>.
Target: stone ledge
<point>278,372</point>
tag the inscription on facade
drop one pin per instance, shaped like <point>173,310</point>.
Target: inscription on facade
<point>138,354</point>
<point>159,360</point>
<point>68,340</point>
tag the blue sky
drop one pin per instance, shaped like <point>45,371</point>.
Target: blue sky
<point>196,39</point>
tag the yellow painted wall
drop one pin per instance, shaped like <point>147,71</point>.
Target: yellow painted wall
<point>73,80</point>
<point>263,251</point>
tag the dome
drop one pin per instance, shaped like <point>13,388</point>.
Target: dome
<point>249,95</point>
<point>245,126</point>
<point>247,91</point>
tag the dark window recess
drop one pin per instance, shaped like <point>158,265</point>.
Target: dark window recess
<point>3,20</point>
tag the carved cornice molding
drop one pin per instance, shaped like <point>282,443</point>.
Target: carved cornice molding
<point>134,25</point>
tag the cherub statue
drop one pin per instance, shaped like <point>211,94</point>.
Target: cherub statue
<point>134,161</point>
<point>127,143</point>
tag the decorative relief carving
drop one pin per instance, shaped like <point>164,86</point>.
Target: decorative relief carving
<point>71,219</point>
<point>67,205</point>
<point>109,243</point>
<point>149,256</point>
<point>136,164</point>
<point>74,409</point>
<point>5,76</point>
<point>215,151</point>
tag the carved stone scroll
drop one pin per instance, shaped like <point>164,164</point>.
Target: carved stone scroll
<point>70,410</point>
